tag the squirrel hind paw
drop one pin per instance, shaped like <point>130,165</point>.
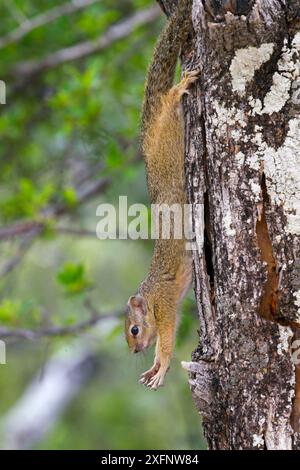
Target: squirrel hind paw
<point>191,74</point>
<point>188,79</point>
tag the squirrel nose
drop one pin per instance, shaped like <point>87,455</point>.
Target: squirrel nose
<point>138,348</point>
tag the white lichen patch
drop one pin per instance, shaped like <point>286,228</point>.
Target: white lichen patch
<point>282,165</point>
<point>296,42</point>
<point>297,303</point>
<point>253,161</point>
<point>258,440</point>
<point>285,334</point>
<point>256,190</point>
<point>278,94</point>
<point>255,104</point>
<point>275,99</point>
<point>288,72</point>
<point>282,169</point>
<point>240,158</point>
<point>228,117</point>
<point>245,62</point>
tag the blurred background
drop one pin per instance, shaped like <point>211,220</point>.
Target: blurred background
<point>74,73</point>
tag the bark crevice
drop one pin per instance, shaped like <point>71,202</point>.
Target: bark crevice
<point>208,249</point>
<point>269,302</point>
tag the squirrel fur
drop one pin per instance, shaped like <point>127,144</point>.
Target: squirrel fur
<point>153,310</point>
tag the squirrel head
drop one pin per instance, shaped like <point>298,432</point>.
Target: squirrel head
<point>140,325</point>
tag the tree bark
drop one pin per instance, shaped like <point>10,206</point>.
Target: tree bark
<point>243,169</point>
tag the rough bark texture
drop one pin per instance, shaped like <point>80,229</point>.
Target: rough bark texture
<point>243,167</point>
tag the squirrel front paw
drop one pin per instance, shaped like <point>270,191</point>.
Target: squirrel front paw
<point>147,376</point>
<point>154,377</point>
<point>157,380</point>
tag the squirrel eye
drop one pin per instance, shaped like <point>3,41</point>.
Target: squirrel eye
<point>134,330</point>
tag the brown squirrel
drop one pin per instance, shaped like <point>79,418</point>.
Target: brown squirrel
<point>152,311</point>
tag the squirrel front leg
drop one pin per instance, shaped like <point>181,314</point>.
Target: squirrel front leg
<point>147,376</point>
<point>166,325</point>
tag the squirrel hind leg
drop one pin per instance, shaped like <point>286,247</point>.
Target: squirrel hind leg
<point>173,97</point>
<point>188,79</point>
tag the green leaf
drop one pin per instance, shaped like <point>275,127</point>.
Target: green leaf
<point>114,155</point>
<point>73,278</point>
<point>70,196</point>
<point>19,313</point>
<point>27,201</point>
<point>8,311</point>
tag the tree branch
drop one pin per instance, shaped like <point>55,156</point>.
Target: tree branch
<point>116,32</point>
<point>15,11</point>
<point>79,232</point>
<point>30,334</point>
<point>52,390</point>
<point>42,19</point>
<point>24,246</point>
<point>31,229</point>
<point>84,192</point>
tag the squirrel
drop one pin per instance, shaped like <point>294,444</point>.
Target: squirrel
<point>152,312</point>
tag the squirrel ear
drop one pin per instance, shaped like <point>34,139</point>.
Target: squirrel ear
<point>137,302</point>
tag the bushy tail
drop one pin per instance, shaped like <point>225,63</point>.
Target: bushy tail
<point>161,71</point>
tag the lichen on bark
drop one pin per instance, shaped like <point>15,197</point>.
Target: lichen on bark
<point>242,375</point>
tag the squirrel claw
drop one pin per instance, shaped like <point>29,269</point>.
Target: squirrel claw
<point>149,374</point>
<point>188,79</point>
<point>156,381</point>
<point>145,380</point>
<point>192,73</point>
<point>154,377</point>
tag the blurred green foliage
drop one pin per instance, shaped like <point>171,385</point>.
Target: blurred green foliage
<point>71,124</point>
<point>73,278</point>
<point>15,312</point>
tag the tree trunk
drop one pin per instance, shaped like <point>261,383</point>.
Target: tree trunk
<point>243,169</point>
